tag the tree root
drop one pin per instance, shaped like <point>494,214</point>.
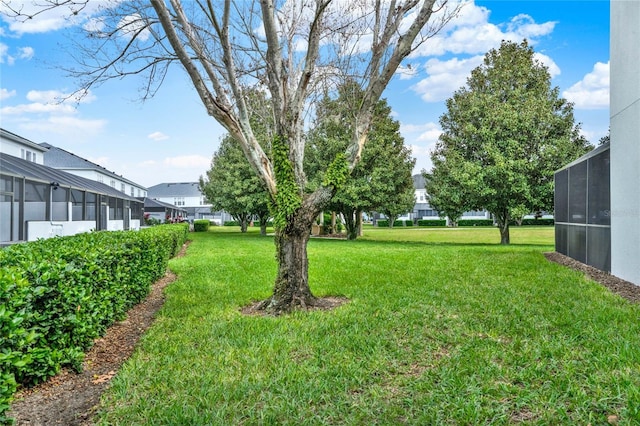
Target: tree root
<point>268,306</point>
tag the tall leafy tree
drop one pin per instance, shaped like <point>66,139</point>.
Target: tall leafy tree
<point>292,49</point>
<point>382,179</point>
<point>231,185</point>
<point>504,135</point>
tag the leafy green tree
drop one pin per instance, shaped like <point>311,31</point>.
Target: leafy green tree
<point>231,185</point>
<point>504,135</point>
<point>382,179</point>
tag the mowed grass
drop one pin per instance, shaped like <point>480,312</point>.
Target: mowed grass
<point>442,327</point>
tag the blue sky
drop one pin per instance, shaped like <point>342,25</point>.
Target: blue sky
<point>171,139</point>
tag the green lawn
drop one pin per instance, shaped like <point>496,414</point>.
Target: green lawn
<point>443,327</point>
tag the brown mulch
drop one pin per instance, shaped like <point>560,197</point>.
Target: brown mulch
<point>72,399</point>
<point>617,285</point>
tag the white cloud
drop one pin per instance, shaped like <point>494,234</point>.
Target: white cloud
<point>5,58</point>
<point>53,19</point>
<point>552,67</point>
<point>133,26</point>
<point>6,94</point>
<point>63,128</point>
<point>158,136</point>
<point>445,77</point>
<point>592,92</point>
<point>472,33</point>
<point>26,53</point>
<point>188,161</point>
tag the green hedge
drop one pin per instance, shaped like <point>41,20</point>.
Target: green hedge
<point>201,225</point>
<point>58,295</point>
<point>475,222</point>
<point>231,223</point>
<point>432,222</point>
<point>537,222</point>
<point>383,223</point>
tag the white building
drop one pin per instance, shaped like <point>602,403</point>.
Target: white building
<point>37,201</point>
<point>625,140</point>
<point>187,195</point>
<point>60,159</point>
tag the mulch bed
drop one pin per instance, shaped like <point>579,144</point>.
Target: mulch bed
<point>72,399</point>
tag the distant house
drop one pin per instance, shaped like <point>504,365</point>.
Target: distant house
<point>37,201</point>
<point>60,159</point>
<point>164,212</point>
<point>422,210</point>
<point>187,195</point>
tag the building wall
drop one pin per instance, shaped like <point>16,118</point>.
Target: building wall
<point>20,150</point>
<point>625,140</point>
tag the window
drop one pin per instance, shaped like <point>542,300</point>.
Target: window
<point>113,183</point>
<point>100,178</point>
<point>112,208</point>
<point>178,201</point>
<point>91,206</point>
<point>132,192</point>
<point>122,187</point>
<point>77,205</point>
<point>119,209</point>
<point>203,201</point>
<point>59,204</point>
<point>35,197</point>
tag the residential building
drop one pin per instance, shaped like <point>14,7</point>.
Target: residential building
<point>187,195</point>
<point>597,195</point>
<point>61,159</point>
<point>424,211</point>
<point>37,201</point>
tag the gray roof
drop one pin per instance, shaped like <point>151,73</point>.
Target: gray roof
<point>152,203</point>
<point>19,139</point>
<point>15,166</point>
<point>174,189</point>
<point>60,159</point>
<point>418,181</point>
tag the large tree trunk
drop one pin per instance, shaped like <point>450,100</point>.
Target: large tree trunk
<point>502,219</point>
<point>291,290</point>
<point>350,224</point>
<point>359,222</point>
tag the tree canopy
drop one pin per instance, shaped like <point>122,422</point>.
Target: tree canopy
<point>231,185</point>
<point>382,179</point>
<point>504,135</point>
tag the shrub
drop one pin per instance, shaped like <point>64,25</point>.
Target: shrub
<point>60,294</point>
<point>537,222</point>
<point>383,223</point>
<point>398,223</point>
<point>231,223</point>
<point>408,223</point>
<point>475,222</point>
<point>201,225</point>
<point>432,222</point>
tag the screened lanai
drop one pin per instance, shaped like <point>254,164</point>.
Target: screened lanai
<point>583,209</point>
<point>37,201</point>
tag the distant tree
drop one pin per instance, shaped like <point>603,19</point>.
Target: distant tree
<point>445,191</point>
<point>504,135</point>
<point>382,179</point>
<point>605,139</point>
<point>231,185</point>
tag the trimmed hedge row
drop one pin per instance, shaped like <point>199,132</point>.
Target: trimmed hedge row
<point>58,295</point>
<point>432,222</point>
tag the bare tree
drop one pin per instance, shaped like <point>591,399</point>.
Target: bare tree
<point>293,50</point>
